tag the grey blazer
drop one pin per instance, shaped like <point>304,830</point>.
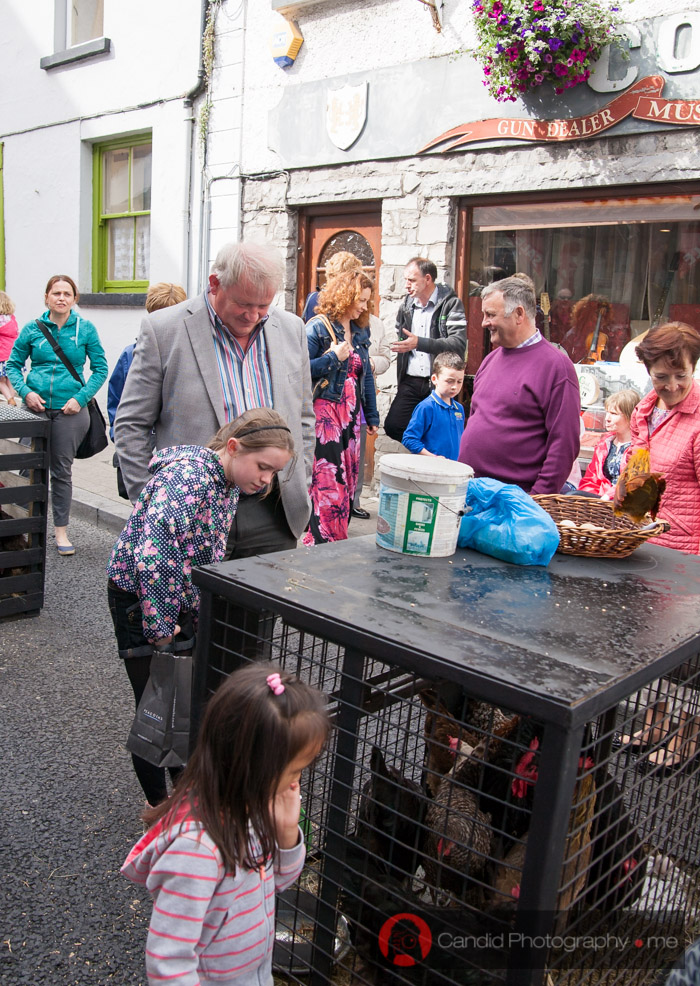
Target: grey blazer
<point>174,386</point>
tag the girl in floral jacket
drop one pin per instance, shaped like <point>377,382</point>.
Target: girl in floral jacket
<point>182,519</point>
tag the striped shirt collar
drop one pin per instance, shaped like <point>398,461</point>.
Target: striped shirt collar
<point>535,337</point>
<point>246,382</point>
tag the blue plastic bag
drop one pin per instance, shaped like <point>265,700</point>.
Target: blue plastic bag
<point>502,520</point>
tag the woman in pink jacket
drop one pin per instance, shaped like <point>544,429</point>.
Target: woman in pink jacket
<point>9,331</point>
<point>667,422</point>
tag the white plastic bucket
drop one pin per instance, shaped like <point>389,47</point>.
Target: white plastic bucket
<point>421,500</point>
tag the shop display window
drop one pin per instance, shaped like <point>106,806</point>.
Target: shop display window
<point>634,261</point>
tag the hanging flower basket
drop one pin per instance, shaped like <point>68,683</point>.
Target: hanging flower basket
<point>526,43</point>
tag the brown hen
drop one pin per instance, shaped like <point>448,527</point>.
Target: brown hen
<point>638,491</point>
<point>459,836</point>
<point>446,740</point>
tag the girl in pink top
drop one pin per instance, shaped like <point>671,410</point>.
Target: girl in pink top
<point>9,330</point>
<point>228,838</point>
<point>611,452</point>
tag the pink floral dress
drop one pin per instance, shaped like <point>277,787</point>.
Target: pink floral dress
<point>336,461</point>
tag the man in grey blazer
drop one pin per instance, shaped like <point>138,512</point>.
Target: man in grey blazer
<point>200,364</point>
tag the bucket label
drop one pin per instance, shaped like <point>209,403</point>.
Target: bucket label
<point>420,524</point>
<point>406,521</point>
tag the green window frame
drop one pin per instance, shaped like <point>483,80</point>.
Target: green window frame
<point>122,215</point>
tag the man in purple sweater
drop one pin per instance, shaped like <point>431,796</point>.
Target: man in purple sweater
<point>523,427</point>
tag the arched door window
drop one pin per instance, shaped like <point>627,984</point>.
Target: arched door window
<point>351,241</point>
<point>321,235</point>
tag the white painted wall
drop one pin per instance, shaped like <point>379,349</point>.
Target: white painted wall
<point>49,120</point>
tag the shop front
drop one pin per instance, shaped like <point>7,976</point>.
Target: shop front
<point>606,267</point>
<point>594,193</point>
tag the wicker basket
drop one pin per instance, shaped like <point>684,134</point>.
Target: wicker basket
<point>618,536</point>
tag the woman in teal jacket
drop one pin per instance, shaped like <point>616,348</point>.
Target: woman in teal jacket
<point>52,391</point>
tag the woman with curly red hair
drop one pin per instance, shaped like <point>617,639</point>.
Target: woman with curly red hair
<point>343,382</point>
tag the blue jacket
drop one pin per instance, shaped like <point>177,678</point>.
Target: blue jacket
<point>116,383</point>
<point>436,426</point>
<point>326,365</point>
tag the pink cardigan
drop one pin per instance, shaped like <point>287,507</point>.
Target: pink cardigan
<point>675,451</point>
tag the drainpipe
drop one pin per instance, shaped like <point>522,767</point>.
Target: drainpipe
<point>190,145</point>
<point>233,175</point>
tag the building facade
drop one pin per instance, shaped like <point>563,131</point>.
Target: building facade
<point>380,137</point>
<point>129,156</point>
<point>97,137</point>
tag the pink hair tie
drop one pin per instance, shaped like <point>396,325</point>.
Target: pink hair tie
<point>275,683</point>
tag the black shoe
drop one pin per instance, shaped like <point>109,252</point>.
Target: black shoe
<point>360,513</point>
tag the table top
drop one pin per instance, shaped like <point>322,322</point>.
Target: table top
<point>18,422</point>
<point>571,638</point>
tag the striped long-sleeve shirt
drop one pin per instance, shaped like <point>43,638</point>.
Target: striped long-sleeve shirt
<point>209,925</point>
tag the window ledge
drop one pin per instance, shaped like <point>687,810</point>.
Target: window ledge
<point>113,300</point>
<point>88,49</point>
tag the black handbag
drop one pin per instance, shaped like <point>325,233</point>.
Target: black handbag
<point>160,731</point>
<point>96,436</point>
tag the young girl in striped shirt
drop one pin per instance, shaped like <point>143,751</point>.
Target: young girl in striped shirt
<point>228,838</point>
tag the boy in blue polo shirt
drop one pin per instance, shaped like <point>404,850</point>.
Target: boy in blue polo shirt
<point>437,423</point>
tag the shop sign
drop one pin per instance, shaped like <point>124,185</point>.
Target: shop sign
<point>348,119</point>
<point>642,101</point>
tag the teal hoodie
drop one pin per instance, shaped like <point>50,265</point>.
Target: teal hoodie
<point>48,377</point>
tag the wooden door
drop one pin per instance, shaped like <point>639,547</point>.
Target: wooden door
<point>324,231</point>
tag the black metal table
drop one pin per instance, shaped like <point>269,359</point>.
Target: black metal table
<point>567,638</point>
<point>564,644</point>
<point>23,502</point>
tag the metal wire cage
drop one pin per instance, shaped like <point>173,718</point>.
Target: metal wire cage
<point>458,835</point>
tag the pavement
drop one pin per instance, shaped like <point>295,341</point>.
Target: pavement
<point>69,800</point>
<point>70,803</point>
<point>96,501</point>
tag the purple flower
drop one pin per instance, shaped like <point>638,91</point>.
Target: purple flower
<point>539,78</point>
<point>560,70</point>
<point>555,44</point>
<point>548,59</point>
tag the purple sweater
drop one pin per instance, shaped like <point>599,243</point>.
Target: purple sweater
<point>524,422</point>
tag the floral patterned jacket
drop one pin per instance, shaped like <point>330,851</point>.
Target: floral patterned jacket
<point>181,519</point>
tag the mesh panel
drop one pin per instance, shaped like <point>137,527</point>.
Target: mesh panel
<point>451,840</point>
